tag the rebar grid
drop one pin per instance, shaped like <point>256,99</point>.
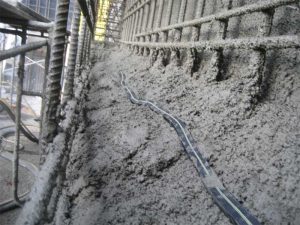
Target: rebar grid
<point>136,9</point>
<point>147,40</point>
<point>257,7</point>
<point>53,90</point>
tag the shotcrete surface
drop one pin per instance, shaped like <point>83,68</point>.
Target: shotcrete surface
<point>127,165</point>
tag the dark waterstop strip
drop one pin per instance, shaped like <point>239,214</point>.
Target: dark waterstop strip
<point>237,213</point>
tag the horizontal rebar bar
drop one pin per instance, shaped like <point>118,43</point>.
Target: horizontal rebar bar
<point>285,41</point>
<point>6,54</point>
<point>270,4</point>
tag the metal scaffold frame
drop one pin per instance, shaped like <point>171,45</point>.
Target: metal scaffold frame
<point>55,44</point>
<point>108,26</point>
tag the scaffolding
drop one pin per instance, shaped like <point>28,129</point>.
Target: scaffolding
<point>108,26</point>
<point>24,22</point>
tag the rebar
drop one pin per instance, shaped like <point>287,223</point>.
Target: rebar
<point>69,83</point>
<point>175,55</point>
<point>217,56</point>
<point>19,90</point>
<point>137,8</point>
<point>144,27</point>
<point>151,25</point>
<point>80,47</point>
<point>139,28</point>
<point>53,90</point>
<point>258,56</point>
<point>193,56</point>
<point>257,7</point>
<point>157,25</point>
<point>277,42</point>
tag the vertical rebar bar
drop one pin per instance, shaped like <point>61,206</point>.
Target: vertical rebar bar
<point>80,46</point>
<point>198,14</point>
<point>257,57</point>
<point>82,56</point>
<point>163,54</point>
<point>86,50</point>
<point>216,66</point>
<point>144,27</point>
<point>132,26</point>
<point>80,42</point>
<point>55,72</point>
<point>151,23</point>
<point>140,26</point>
<point>193,58</point>
<point>19,90</point>
<point>175,55</point>
<point>157,25</point>
<point>137,15</point>
<point>69,83</point>
<point>152,11</point>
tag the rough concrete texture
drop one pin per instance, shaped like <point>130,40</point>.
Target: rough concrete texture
<point>127,165</point>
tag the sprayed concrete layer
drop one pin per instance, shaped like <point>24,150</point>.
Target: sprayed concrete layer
<point>127,165</point>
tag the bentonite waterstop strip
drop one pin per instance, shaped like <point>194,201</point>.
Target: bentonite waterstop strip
<point>224,199</point>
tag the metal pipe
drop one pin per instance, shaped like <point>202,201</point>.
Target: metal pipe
<point>46,70</point>
<point>31,93</point>
<point>53,90</point>
<point>69,83</point>
<point>6,54</point>
<point>9,31</point>
<point>257,7</point>
<point>15,163</point>
<point>29,24</point>
<point>13,76</point>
